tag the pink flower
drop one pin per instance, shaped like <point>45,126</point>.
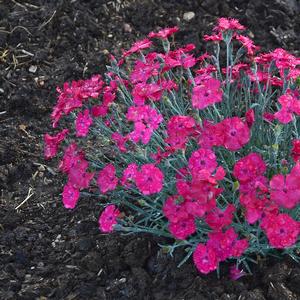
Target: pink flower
<point>174,209</point>
<point>91,87</point>
<point>52,143</point>
<point>140,133</point>
<point>282,230</point>
<point>163,33</point>
<point>226,244</point>
<point>183,228</point>
<point>247,43</point>
<point>69,99</point>
<point>228,24</point>
<point>197,208</point>
<point>146,120</point>
<point>250,117</point>
<point>268,117</point>
<point>296,150</point>
<point>138,46</point>
<point>99,110</point>
<point>70,196</point>
<point>129,175</point>
<point>71,157</point>
<point>143,91</point>
<point>108,218</point>
<point>290,104</point>
<point>179,128</point>
<point>83,123</point>
<point>239,247</point>
<point>218,219</point>
<point>213,37</point>
<point>235,273</point>
<point>179,57</point>
<point>211,135</point>
<point>205,259</point>
<point>202,159</point>
<point>72,96</point>
<point>77,175</point>
<point>283,59</point>
<point>149,180</point>
<point>236,133</point>
<point>206,94</point>
<point>257,205</point>
<point>107,180</point>
<point>249,167</point>
<point>120,141</point>
<point>143,71</point>
<point>201,188</point>
<point>285,191</point>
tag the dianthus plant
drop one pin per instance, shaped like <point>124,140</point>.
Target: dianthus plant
<point>203,150</point>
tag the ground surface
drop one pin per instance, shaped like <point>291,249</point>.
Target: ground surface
<point>47,252</point>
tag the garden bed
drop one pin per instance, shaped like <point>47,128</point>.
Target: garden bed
<point>47,251</point>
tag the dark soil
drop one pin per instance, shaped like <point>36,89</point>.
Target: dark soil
<point>47,251</point>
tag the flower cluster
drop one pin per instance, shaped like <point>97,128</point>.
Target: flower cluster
<point>194,148</point>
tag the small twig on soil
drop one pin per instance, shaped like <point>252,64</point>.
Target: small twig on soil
<point>26,52</point>
<point>7,119</point>
<point>31,5</point>
<point>10,32</point>
<point>100,272</point>
<point>29,195</point>
<point>13,84</point>
<point>47,22</point>
<point>29,153</point>
<point>19,4</point>
<point>45,166</point>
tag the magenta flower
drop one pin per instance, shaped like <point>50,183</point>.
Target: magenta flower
<point>108,218</point>
<point>247,43</point>
<point>202,159</point>
<point>91,87</point>
<point>236,133</point>
<point>228,24</point>
<point>83,123</point>
<point>205,259</point>
<point>295,152</point>
<point>290,104</point>
<point>52,143</point>
<point>77,175</point>
<point>206,94</point>
<point>144,91</point>
<point>129,175</point>
<point>250,117</point>
<point>138,46</point>
<point>107,180</point>
<point>249,167</point>
<point>183,228</point>
<point>179,128</point>
<point>143,71</point>
<point>70,196</point>
<point>285,191</point>
<point>174,209</point>
<point>163,33</point>
<point>120,141</point>
<point>149,180</point>
<point>140,133</point>
<point>282,230</point>
<point>71,157</point>
<point>226,244</point>
<point>235,273</point>
<point>210,135</point>
<point>217,219</point>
